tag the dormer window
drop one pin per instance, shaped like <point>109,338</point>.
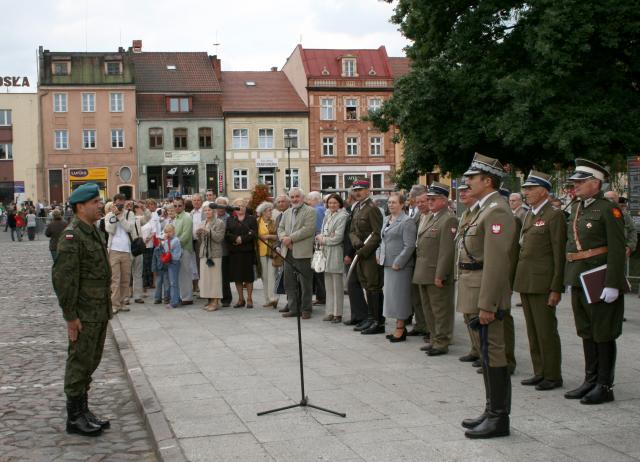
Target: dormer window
<point>113,68</point>
<point>61,67</point>
<point>349,68</point>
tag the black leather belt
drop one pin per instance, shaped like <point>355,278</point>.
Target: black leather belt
<point>470,266</point>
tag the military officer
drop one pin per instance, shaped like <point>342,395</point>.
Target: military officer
<point>465,218</point>
<point>420,327</point>
<point>434,269</point>
<point>367,224</point>
<point>81,278</point>
<point>595,237</point>
<point>539,279</point>
<point>483,280</point>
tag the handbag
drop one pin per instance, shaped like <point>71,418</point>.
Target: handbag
<point>319,259</point>
<point>165,257</point>
<point>137,245</point>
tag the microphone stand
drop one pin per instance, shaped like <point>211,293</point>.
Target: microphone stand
<point>304,401</point>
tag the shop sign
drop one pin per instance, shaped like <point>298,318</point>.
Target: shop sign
<point>86,174</point>
<point>18,187</point>
<point>266,163</point>
<point>171,157</point>
<point>350,178</point>
<point>14,81</point>
<point>188,170</point>
<point>220,181</point>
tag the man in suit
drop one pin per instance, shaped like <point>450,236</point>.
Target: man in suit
<point>420,327</point>
<point>296,231</point>
<point>483,280</point>
<point>434,270</point>
<point>515,203</point>
<point>366,223</point>
<point>539,279</point>
<point>595,238</point>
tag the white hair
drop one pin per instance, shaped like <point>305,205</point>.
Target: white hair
<point>196,196</point>
<point>221,200</point>
<point>296,189</point>
<point>263,207</point>
<point>314,196</point>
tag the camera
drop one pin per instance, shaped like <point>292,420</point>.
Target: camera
<point>210,262</point>
<point>120,206</point>
<point>226,208</point>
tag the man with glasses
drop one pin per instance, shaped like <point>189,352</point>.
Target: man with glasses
<point>184,233</point>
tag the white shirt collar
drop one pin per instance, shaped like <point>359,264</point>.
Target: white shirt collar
<point>482,201</point>
<point>538,208</point>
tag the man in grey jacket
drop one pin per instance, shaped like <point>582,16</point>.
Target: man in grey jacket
<point>296,232</point>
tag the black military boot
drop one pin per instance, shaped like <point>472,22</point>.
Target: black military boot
<point>362,325</point>
<point>377,326</point>
<point>590,370</point>
<point>472,423</point>
<point>497,422</point>
<point>91,417</point>
<point>76,420</point>
<point>602,392</point>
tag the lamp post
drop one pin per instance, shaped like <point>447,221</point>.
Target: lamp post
<point>288,139</point>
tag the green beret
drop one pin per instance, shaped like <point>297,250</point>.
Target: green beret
<point>84,193</point>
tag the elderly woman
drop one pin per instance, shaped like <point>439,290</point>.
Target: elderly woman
<point>268,232</point>
<point>395,253</point>
<point>241,233</point>
<point>330,238</point>
<point>210,235</point>
<point>53,231</point>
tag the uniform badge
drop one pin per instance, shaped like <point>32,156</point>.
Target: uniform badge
<point>68,237</point>
<point>496,228</point>
<point>617,213</point>
<point>454,230</point>
<point>589,225</point>
<point>539,223</point>
<point>493,204</point>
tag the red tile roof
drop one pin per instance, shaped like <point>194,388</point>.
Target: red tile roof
<point>272,93</point>
<point>193,72</point>
<point>315,61</point>
<point>399,66</point>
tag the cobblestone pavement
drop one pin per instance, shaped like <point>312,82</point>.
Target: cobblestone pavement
<point>32,356</point>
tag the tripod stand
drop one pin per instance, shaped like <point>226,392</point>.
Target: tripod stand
<point>304,401</point>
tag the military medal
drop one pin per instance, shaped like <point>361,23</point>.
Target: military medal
<point>589,225</point>
<point>539,223</point>
<point>68,237</point>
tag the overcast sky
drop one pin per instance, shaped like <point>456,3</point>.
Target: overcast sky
<point>252,34</point>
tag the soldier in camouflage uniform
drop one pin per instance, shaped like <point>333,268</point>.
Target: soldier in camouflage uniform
<point>81,278</point>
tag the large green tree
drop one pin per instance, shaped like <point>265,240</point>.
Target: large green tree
<point>534,84</point>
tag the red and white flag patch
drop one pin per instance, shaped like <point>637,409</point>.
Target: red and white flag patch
<point>539,223</point>
<point>454,230</point>
<point>68,237</point>
<point>496,228</point>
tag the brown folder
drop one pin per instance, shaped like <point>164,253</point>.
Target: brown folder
<point>593,283</point>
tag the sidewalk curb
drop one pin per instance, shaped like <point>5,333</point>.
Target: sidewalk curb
<point>164,441</point>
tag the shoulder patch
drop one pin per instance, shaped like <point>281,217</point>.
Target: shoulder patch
<point>617,213</point>
<point>68,237</point>
<point>496,228</point>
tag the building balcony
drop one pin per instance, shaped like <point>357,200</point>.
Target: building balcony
<point>350,83</point>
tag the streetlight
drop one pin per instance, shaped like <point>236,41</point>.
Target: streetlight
<point>288,141</point>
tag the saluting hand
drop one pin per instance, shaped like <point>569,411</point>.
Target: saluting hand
<point>73,328</point>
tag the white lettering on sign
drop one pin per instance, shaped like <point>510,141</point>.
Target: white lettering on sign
<point>14,81</point>
<point>189,171</point>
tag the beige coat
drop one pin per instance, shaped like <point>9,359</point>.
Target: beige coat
<point>213,235</point>
<point>435,249</point>
<point>333,233</point>
<point>303,231</point>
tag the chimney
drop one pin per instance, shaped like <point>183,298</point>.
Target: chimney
<point>217,67</point>
<point>274,69</point>
<point>137,46</point>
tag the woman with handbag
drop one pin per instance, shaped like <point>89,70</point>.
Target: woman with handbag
<point>241,233</point>
<point>210,235</point>
<point>267,230</point>
<point>331,256</point>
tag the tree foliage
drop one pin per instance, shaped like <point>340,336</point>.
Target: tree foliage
<point>534,84</point>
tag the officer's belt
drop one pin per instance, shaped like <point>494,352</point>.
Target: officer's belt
<point>584,254</point>
<point>472,266</point>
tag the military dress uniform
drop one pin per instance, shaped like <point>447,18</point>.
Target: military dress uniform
<point>435,257</point>
<point>81,277</point>
<point>482,282</point>
<point>367,221</point>
<point>596,237</point>
<point>540,270</point>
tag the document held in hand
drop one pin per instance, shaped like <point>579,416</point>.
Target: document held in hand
<point>592,282</point>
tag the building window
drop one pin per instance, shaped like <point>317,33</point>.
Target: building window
<point>377,180</point>
<point>292,134</point>
<point>6,151</point>
<point>240,138</point>
<point>61,139</point>
<point>351,109</point>
<point>352,145</point>
<point>265,138</point>
<point>204,137</point>
<point>116,102</point>
<point>375,104</point>
<point>328,146</point>
<point>88,139</point>
<point>328,182</point>
<point>61,68</point>
<point>179,104</point>
<point>349,67</point>
<point>5,116</point>
<point>113,68</point>
<point>375,146</point>
<point>59,102</point>
<point>156,138</point>
<point>240,179</point>
<point>180,138</point>
<point>327,109</point>
<point>295,173</point>
<point>88,102</point>
<point>117,138</point>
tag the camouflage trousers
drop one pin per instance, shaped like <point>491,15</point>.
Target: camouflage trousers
<point>84,356</point>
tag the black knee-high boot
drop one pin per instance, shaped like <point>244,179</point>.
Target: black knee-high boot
<point>375,307</point>
<point>590,370</point>
<point>497,421</point>
<point>472,423</point>
<point>602,392</point>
